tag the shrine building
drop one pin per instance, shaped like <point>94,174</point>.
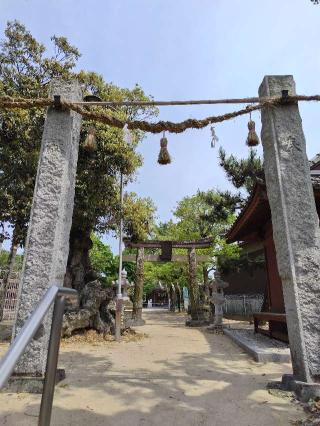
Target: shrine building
<point>253,230</point>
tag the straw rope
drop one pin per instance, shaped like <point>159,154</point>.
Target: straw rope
<point>7,102</point>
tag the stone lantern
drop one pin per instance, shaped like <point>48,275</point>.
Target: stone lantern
<point>125,285</point>
<point>218,299</point>
<point>126,309</point>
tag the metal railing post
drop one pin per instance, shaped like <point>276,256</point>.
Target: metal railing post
<point>52,362</point>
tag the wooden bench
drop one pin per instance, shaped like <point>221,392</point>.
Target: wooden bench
<point>270,316</point>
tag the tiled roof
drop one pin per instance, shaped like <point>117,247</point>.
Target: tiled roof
<point>315,160</point>
<point>315,179</point>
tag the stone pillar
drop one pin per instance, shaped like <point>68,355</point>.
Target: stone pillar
<point>194,293</point>
<point>172,297</point>
<point>47,244</point>
<point>138,289</point>
<point>295,225</point>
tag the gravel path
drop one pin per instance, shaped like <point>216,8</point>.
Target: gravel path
<point>175,376</point>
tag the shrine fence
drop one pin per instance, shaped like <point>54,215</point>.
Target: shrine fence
<point>244,305</point>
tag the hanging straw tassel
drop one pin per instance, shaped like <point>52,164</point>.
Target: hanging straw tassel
<point>164,156</point>
<point>90,144</point>
<point>252,139</point>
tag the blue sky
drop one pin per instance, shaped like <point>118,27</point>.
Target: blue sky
<point>187,49</point>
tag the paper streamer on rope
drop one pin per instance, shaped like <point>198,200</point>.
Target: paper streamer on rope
<point>214,137</point>
<point>127,134</point>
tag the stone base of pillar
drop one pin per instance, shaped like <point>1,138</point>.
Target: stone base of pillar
<point>30,384</point>
<point>304,391</point>
<point>215,329</point>
<point>137,322</point>
<point>196,322</point>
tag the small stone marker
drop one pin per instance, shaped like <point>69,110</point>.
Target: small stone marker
<point>295,225</point>
<point>47,244</point>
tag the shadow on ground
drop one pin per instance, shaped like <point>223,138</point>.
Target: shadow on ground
<point>208,381</point>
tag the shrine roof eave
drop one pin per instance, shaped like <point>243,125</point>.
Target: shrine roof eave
<point>253,217</point>
<point>256,213</point>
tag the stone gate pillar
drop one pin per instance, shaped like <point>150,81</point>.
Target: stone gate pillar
<point>194,293</point>
<point>138,289</point>
<point>295,225</point>
<point>47,244</point>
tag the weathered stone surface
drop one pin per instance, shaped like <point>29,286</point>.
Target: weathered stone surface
<point>30,384</point>
<point>260,347</point>
<point>304,391</point>
<point>94,310</point>
<point>196,311</point>
<point>138,288</point>
<point>47,244</point>
<point>218,299</point>
<point>295,225</point>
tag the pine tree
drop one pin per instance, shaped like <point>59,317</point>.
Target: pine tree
<point>242,173</point>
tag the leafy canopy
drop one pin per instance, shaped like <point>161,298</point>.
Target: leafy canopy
<point>102,260</point>
<point>26,68</point>
<point>203,215</point>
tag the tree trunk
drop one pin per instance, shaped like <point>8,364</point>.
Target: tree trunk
<point>79,270</point>
<point>195,308</point>
<point>138,288</point>
<point>92,311</point>
<point>8,273</point>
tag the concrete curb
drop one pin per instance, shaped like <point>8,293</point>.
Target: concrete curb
<point>257,354</point>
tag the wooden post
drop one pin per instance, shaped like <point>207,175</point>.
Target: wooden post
<point>295,225</point>
<point>138,288</point>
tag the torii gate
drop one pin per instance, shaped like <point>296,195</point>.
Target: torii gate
<point>295,228</point>
<point>167,256</point>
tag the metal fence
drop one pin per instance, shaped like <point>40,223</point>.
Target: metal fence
<point>244,305</point>
<point>10,302</point>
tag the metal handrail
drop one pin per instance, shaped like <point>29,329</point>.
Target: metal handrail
<point>8,362</point>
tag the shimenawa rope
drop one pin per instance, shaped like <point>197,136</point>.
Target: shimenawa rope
<point>7,102</point>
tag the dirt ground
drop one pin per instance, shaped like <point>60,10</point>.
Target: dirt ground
<point>175,376</point>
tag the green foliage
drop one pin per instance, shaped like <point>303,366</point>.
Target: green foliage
<point>26,68</point>
<point>227,255</point>
<point>4,255</point>
<point>242,173</point>
<point>203,215</point>
<point>138,216</point>
<point>102,260</point>
<point>3,259</point>
<point>231,258</point>
<point>166,273</point>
